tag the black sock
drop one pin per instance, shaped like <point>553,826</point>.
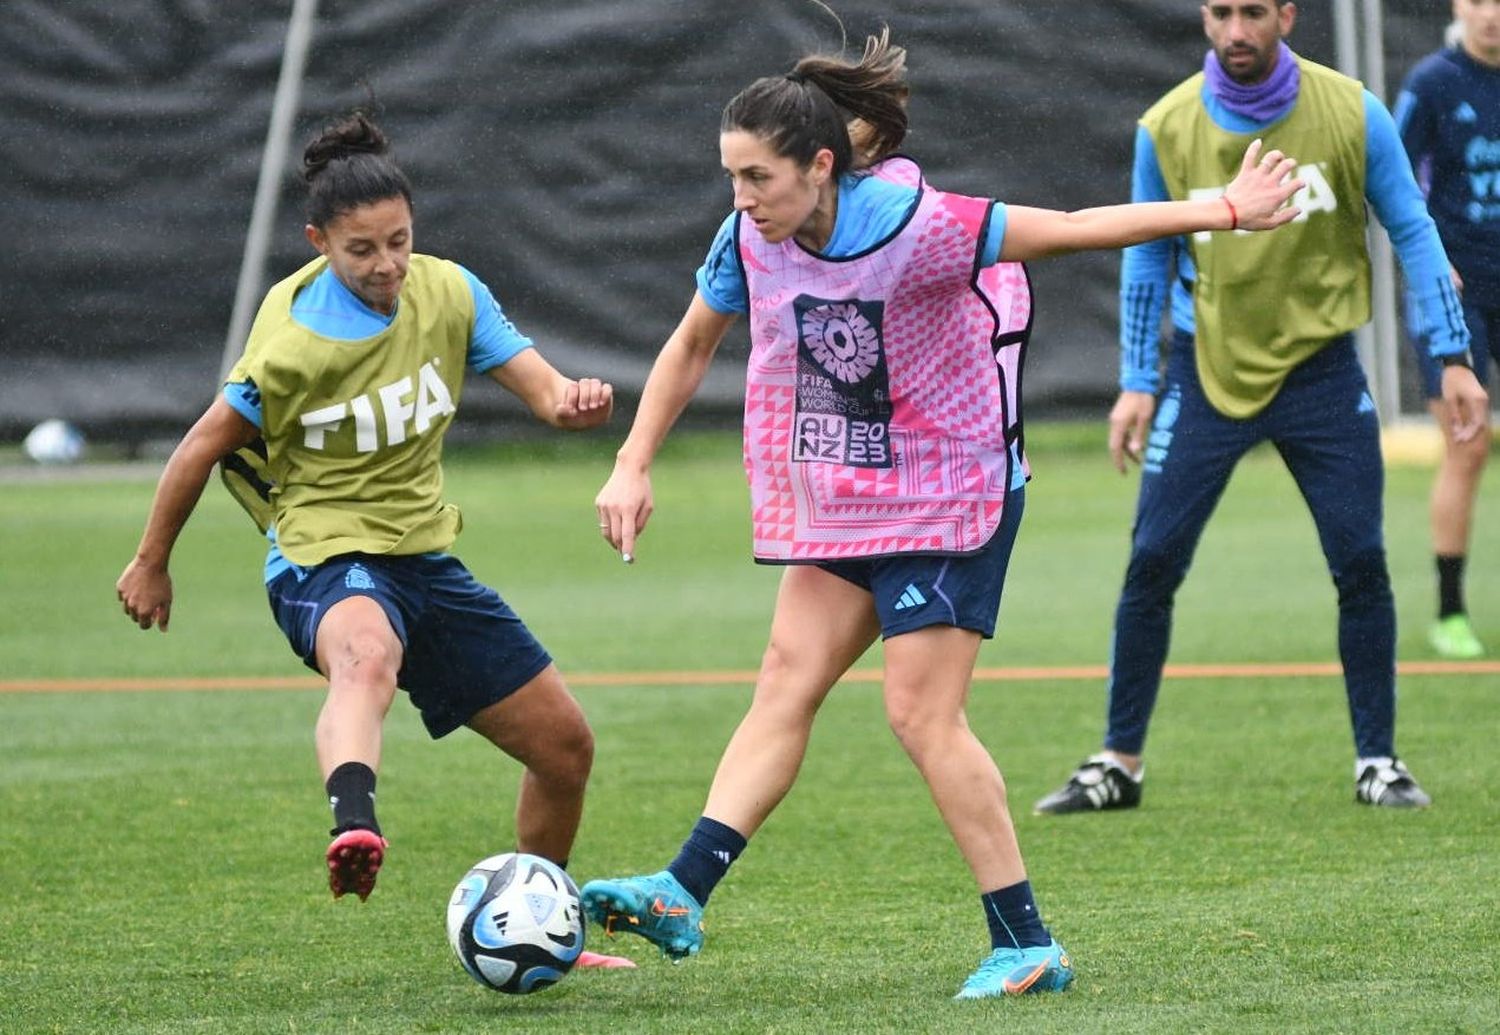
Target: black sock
<point>351,793</point>
<point>1450,585</point>
<point>1013,918</point>
<point>706,856</point>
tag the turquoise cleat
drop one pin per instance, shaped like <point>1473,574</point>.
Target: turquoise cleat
<point>657,908</point>
<point>1041,968</point>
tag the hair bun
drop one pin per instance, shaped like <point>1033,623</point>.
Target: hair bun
<point>352,135</point>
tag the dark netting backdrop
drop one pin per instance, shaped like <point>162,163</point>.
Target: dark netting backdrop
<point>565,151</point>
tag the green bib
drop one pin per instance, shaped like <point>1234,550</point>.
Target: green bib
<point>1265,302</point>
<point>354,429</point>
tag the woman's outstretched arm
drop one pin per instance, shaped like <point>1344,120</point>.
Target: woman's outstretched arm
<point>1255,200</point>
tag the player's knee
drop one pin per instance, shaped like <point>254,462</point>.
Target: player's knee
<point>1363,578</point>
<point>1154,571</point>
<point>911,733</point>
<point>565,763</point>
<point>787,685</point>
<point>572,756</point>
<point>918,727</point>
<point>778,663</point>
<point>582,750</point>
<point>1469,457</point>
<point>365,659</point>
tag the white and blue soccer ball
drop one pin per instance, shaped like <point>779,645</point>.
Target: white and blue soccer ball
<point>516,923</point>
<point>54,442</point>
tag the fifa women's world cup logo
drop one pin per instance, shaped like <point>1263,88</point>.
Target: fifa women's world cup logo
<point>842,340</point>
<point>843,391</point>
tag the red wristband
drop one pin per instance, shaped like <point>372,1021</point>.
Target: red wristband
<point>1234,217</point>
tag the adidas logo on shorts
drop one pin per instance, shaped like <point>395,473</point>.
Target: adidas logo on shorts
<point>910,597</point>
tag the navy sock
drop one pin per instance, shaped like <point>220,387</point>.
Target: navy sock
<point>351,793</point>
<point>1450,572</point>
<point>705,857</point>
<point>1014,920</point>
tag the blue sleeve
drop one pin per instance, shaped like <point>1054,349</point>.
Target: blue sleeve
<point>494,339</point>
<point>1145,279</point>
<point>244,396</point>
<point>1416,113</point>
<point>994,236</point>
<point>721,282</point>
<point>1397,202</point>
<point>1416,126</point>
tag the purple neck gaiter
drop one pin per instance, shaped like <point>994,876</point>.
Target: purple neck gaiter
<point>1258,102</point>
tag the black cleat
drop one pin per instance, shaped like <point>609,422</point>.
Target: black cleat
<point>1099,783</point>
<point>1387,782</point>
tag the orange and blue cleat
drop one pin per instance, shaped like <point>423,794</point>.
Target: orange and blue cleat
<point>655,907</point>
<point>1040,968</point>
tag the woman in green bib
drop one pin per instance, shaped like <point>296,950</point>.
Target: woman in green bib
<point>335,417</point>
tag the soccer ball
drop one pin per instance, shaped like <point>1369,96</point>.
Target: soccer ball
<point>516,923</point>
<point>54,442</point>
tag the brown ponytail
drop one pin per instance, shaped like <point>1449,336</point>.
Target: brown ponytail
<point>855,109</point>
<point>874,91</point>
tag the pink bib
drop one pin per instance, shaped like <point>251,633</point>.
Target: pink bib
<point>882,396</point>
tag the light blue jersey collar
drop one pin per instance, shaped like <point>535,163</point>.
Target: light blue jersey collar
<point>328,307</point>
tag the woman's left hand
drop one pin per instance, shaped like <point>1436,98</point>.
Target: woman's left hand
<point>586,403</point>
<point>1259,194</point>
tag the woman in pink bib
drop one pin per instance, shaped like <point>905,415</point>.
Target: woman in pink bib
<point>884,453</point>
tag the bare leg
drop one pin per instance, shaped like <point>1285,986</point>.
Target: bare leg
<point>542,727</point>
<point>360,654</point>
<point>927,675</point>
<point>1451,508</point>
<point>822,624</point>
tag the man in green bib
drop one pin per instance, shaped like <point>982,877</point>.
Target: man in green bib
<point>1262,350</point>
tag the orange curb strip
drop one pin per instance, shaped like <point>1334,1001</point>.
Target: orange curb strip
<point>746,677</point>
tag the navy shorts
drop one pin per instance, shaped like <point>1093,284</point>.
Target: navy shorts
<point>914,591</point>
<point>464,648</point>
<point>1484,346</point>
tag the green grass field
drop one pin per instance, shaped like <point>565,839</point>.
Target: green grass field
<point>160,851</point>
